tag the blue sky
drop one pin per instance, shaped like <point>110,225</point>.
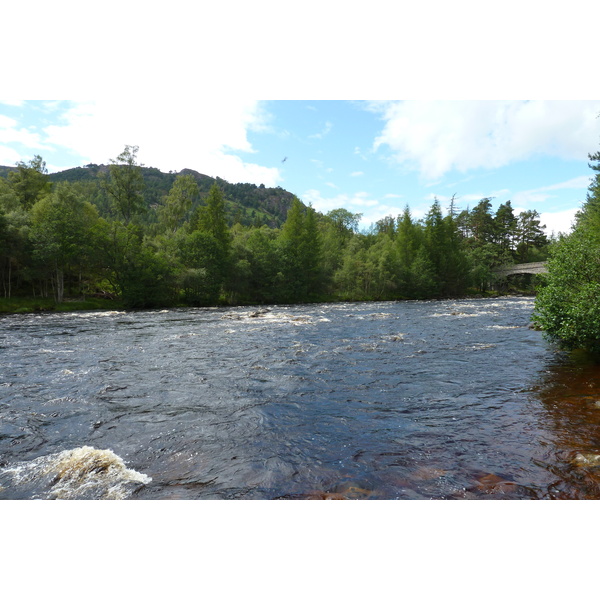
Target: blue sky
<point>368,157</point>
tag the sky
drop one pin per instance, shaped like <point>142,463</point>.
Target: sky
<point>369,157</point>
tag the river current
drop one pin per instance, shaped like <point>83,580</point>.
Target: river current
<point>392,400</point>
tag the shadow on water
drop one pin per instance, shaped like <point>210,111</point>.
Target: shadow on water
<point>570,395</point>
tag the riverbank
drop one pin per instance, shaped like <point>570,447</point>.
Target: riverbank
<point>34,305</point>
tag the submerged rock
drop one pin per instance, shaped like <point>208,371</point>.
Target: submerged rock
<point>587,460</point>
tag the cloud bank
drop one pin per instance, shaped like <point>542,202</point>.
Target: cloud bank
<point>437,137</point>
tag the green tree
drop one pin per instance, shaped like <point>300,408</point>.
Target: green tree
<point>178,202</point>
<point>589,215</point>
<point>481,222</point>
<point>212,218</point>
<point>336,229</point>
<point>566,305</point>
<point>344,221</point>
<point>529,234</point>
<point>408,242</point>
<point>142,277</point>
<point>256,271</point>
<point>383,255</point>
<point>30,182</point>
<point>446,256</point>
<point>125,185</point>
<point>60,231</point>
<point>300,248</point>
<point>203,275</point>
<point>355,276</point>
<point>505,226</point>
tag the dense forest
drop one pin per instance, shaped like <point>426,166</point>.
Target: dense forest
<point>153,239</point>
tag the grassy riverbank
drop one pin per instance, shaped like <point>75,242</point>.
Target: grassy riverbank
<point>32,305</point>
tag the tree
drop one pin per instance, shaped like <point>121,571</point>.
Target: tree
<point>30,182</point>
<point>589,215</point>
<point>125,185</point>
<point>300,247</point>
<point>204,268</point>
<point>256,265</point>
<point>529,234</point>
<point>336,229</point>
<point>142,277</point>
<point>60,231</point>
<point>211,218</point>
<point>354,278</point>
<point>505,225</point>
<point>567,306</point>
<point>481,222</point>
<point>386,226</point>
<point>408,242</point>
<point>345,222</point>
<point>178,202</point>
<point>445,253</point>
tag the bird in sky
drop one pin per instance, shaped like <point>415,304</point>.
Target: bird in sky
<point>284,159</point>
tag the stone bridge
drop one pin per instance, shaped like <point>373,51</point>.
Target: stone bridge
<point>534,268</point>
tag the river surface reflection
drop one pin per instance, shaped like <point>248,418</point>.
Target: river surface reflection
<point>394,400</point>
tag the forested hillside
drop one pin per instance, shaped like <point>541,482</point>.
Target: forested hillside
<point>155,239</point>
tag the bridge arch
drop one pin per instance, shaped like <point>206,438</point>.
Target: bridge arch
<point>502,275</point>
<point>534,268</point>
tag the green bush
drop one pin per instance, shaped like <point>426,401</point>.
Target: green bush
<point>567,304</point>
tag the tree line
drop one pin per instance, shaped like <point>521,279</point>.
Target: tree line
<point>106,238</point>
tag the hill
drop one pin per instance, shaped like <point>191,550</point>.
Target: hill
<point>246,203</point>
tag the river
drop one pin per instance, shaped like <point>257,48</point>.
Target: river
<point>390,400</point>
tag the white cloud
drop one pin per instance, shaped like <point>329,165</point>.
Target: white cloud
<point>360,202</point>
<point>11,133</point>
<point>171,134</point>
<point>577,183</point>
<point>8,156</point>
<point>436,137</point>
<point>356,173</point>
<point>539,195</point>
<point>359,152</point>
<point>323,133</point>
<point>558,222</point>
<point>6,123</point>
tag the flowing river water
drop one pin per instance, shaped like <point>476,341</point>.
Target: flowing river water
<point>391,400</point>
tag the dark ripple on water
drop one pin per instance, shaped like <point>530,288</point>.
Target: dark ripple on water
<point>448,400</point>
